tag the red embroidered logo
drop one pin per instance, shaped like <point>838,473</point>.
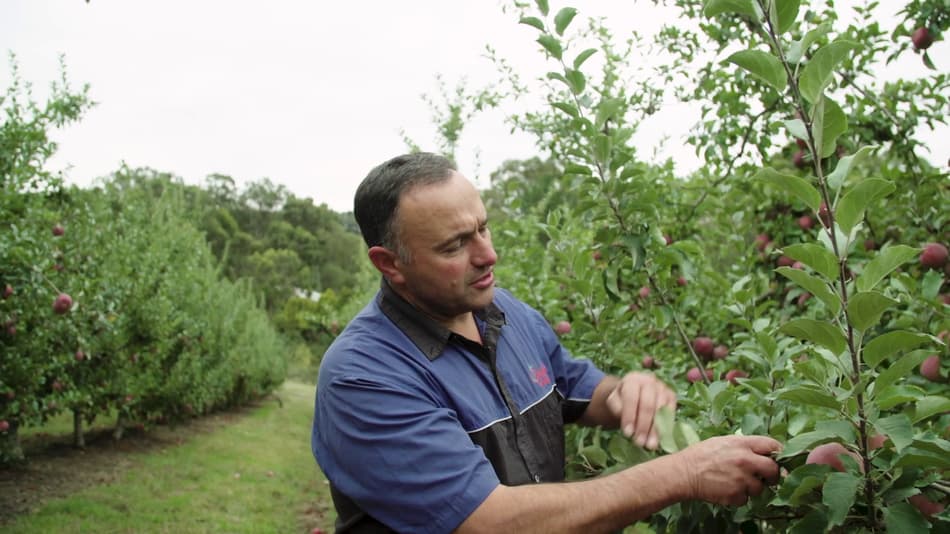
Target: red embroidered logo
<point>539,375</point>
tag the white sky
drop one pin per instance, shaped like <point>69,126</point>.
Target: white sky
<point>311,94</point>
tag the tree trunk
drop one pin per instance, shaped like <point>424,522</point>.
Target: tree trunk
<point>79,440</point>
<point>119,427</point>
<point>10,450</point>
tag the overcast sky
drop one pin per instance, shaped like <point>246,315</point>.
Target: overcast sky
<point>311,94</point>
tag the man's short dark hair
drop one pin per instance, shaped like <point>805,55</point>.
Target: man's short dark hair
<point>377,198</point>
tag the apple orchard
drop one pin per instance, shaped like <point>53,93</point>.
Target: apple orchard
<point>797,285</point>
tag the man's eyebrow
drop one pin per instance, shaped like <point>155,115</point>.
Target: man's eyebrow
<point>464,234</point>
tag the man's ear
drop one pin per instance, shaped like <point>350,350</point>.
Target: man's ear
<point>386,262</point>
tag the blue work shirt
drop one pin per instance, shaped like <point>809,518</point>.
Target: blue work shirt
<point>415,425</point>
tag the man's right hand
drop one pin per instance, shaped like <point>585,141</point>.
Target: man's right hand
<point>730,469</point>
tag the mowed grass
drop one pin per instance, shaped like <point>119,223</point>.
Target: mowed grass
<point>254,475</point>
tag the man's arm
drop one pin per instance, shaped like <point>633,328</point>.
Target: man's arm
<point>724,470</point>
<point>629,403</point>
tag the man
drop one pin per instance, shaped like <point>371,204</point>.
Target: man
<point>441,405</point>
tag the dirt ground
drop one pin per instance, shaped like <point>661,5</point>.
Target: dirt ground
<point>56,469</point>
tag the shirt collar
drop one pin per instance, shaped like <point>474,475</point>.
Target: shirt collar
<point>427,334</point>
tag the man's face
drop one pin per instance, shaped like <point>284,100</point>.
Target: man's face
<point>444,228</point>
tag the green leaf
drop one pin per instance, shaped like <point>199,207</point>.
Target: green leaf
<point>931,284</point>
<point>583,56</point>
<point>684,435</point>
<point>814,521</point>
<point>799,483</point>
<point>930,406</point>
<point>563,19</point>
<point>897,395</point>
<point>762,65</point>
<point>897,370</point>
<point>602,146</point>
<point>883,264</point>
<point>576,80</point>
<point>552,45</point>
<point>542,6</point>
<point>838,495</point>
<point>595,455</point>
<point>886,345</point>
<point>803,394</point>
<point>913,457</point>
<point>819,71</point>
<point>851,207</point>
<point>607,109</point>
<point>570,109</point>
<point>833,123</point>
<point>625,452</point>
<point>796,128</point>
<point>813,285</point>
<point>791,184</point>
<point>718,7</point>
<point>663,421</point>
<point>815,256</point>
<point>903,517</point>
<point>798,48</point>
<point>865,309</point>
<point>898,428</point>
<point>818,332</point>
<point>834,430</point>
<point>534,22</point>
<point>786,12</point>
<point>838,177</point>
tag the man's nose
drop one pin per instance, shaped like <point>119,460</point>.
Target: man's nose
<point>484,254</point>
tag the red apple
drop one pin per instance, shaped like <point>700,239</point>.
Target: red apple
<point>644,292</point>
<point>562,327</point>
<point>80,355</point>
<point>681,281</point>
<point>57,385</point>
<point>930,368</point>
<point>805,222</point>
<point>63,303</point>
<point>734,374</point>
<point>703,347</point>
<point>824,215</point>
<point>869,244</point>
<point>7,292</point>
<point>694,375</point>
<point>798,265</point>
<point>933,256</point>
<point>649,362</point>
<point>784,261</point>
<point>876,441</point>
<point>4,425</point>
<point>799,159</point>
<point>802,144</point>
<point>927,507</point>
<point>720,352</point>
<point>829,454</point>
<point>668,239</point>
<point>762,241</point>
<point>58,230</point>
<point>922,38</point>
<point>803,298</point>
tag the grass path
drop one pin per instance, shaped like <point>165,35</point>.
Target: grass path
<point>250,472</point>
